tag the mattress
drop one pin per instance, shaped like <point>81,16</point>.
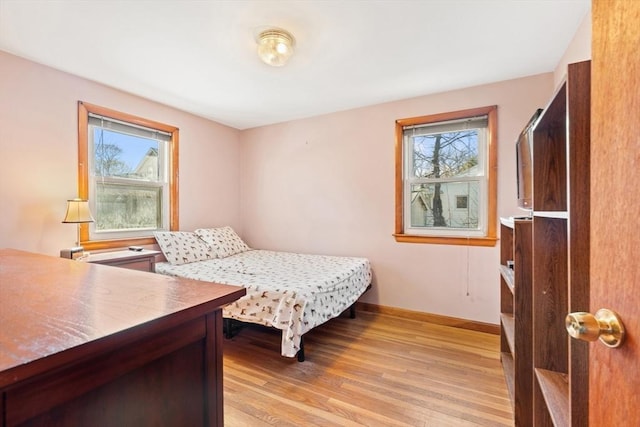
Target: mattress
<point>288,291</point>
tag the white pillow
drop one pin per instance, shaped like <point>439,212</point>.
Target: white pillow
<point>183,247</point>
<point>223,241</point>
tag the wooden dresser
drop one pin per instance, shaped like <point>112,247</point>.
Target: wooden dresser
<point>85,344</point>
<point>144,260</point>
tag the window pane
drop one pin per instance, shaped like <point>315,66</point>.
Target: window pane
<point>120,155</point>
<point>438,205</point>
<point>127,207</point>
<point>445,155</point>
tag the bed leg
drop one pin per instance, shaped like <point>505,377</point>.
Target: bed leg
<point>226,323</point>
<point>352,311</point>
<point>301,351</point>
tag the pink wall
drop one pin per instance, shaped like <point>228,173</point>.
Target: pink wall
<point>326,185</point>
<point>578,50</point>
<point>38,156</point>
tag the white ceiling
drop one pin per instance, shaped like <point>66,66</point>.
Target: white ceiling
<point>200,56</point>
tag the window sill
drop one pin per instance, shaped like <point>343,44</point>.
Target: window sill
<point>117,243</point>
<point>462,241</point>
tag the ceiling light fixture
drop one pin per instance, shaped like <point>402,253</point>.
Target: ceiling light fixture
<point>275,46</point>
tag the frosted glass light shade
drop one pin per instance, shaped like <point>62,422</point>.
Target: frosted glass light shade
<point>275,46</point>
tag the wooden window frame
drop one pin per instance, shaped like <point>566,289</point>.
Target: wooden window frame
<point>490,238</point>
<point>83,173</point>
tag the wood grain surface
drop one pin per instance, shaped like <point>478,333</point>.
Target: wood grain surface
<point>50,305</point>
<point>375,370</point>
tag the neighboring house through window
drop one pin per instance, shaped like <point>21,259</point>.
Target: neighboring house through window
<point>462,202</point>
<point>446,178</point>
<point>127,170</point>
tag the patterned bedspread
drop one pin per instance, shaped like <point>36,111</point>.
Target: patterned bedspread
<point>289,291</point>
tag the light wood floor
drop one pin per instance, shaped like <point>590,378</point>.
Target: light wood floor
<point>375,370</point>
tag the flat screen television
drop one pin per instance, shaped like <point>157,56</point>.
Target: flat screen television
<point>524,163</point>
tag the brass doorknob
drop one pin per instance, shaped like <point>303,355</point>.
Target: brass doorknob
<point>605,325</point>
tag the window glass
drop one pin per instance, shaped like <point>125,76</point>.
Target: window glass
<point>128,180</point>
<point>462,202</point>
<point>437,155</point>
<point>127,208</point>
<point>445,155</point>
<point>127,156</point>
<point>440,206</point>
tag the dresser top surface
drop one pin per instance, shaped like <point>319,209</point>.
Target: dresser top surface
<point>50,305</point>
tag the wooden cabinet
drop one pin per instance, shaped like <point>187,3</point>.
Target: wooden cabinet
<point>79,349</point>
<point>144,260</point>
<point>547,371</point>
<point>561,147</point>
<point>516,315</point>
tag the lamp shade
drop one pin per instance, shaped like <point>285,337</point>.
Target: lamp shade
<point>77,212</point>
<point>275,46</point>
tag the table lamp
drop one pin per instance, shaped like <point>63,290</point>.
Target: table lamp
<point>77,213</point>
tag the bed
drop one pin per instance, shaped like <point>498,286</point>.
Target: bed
<point>291,292</point>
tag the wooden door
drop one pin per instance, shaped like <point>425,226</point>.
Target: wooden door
<point>614,374</point>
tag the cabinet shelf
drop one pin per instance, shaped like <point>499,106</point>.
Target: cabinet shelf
<point>507,275</point>
<point>507,222</point>
<point>551,214</point>
<point>555,390</point>
<point>515,315</point>
<point>508,368</point>
<point>508,325</point>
